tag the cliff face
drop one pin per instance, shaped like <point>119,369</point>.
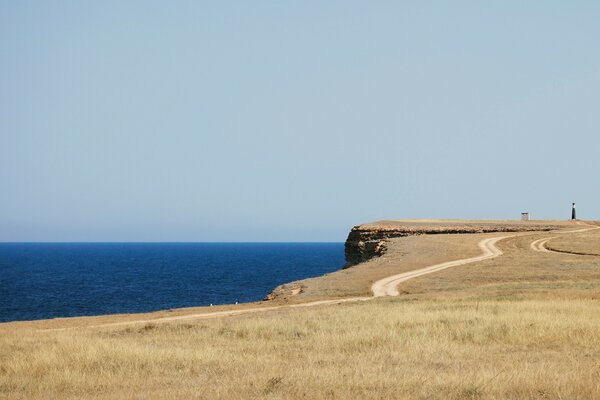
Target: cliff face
<point>364,244</point>
<point>368,241</point>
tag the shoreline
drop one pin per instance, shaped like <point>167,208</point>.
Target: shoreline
<point>293,293</point>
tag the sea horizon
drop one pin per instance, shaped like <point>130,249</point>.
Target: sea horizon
<point>42,280</point>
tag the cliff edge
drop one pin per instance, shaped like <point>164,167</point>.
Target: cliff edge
<point>368,241</point>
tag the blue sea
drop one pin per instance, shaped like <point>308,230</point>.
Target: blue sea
<point>47,280</point>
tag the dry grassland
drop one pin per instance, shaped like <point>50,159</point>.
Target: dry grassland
<point>525,325</point>
<point>405,254</point>
<point>517,275</point>
<point>387,349</point>
<point>586,243</point>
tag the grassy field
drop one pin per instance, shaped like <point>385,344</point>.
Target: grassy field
<point>525,325</point>
<point>586,243</point>
<point>392,349</point>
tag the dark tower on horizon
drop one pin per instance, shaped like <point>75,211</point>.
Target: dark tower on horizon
<point>573,216</point>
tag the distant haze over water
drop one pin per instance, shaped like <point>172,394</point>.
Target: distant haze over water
<point>228,121</point>
<point>47,280</point>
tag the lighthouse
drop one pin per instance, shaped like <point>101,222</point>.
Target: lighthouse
<point>573,216</point>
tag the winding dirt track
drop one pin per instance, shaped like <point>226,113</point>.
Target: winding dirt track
<point>540,244</point>
<point>389,286</point>
<point>383,287</point>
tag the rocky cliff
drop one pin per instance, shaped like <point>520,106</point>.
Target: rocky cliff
<point>367,241</point>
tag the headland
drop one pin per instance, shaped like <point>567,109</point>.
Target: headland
<point>524,324</point>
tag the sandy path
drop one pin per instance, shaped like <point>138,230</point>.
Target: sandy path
<point>540,244</point>
<point>389,286</point>
<point>383,287</point>
<point>218,314</point>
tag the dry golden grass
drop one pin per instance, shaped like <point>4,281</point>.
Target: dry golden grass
<point>405,254</point>
<point>586,243</point>
<point>519,274</point>
<point>525,325</point>
<point>382,349</point>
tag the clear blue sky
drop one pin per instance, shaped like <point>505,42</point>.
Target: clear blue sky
<point>277,121</point>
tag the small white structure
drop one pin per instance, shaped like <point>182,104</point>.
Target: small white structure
<point>524,216</point>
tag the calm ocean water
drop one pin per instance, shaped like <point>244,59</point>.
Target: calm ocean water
<point>46,280</point>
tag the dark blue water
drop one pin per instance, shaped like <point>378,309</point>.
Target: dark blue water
<point>46,280</point>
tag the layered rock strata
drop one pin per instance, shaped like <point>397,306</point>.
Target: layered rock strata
<point>368,241</point>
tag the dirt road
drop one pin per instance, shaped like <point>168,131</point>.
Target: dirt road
<point>389,286</point>
<point>383,287</point>
<point>540,244</point>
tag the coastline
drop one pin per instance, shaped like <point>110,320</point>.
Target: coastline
<point>44,281</point>
<point>378,249</point>
<point>488,306</point>
<point>408,245</point>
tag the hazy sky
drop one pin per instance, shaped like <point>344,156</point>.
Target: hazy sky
<point>285,121</point>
